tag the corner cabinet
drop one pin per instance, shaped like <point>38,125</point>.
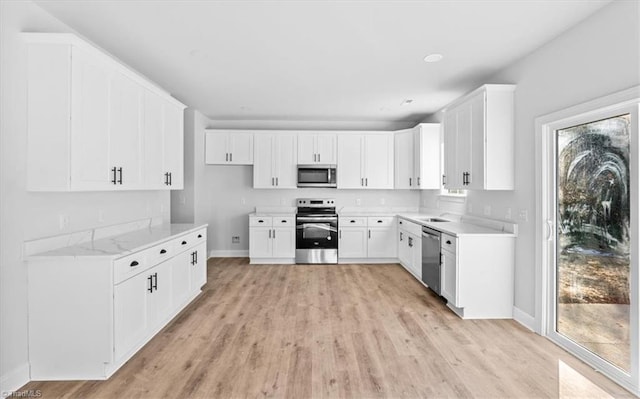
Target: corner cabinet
<point>96,311</point>
<point>275,160</point>
<point>417,157</point>
<point>479,140</point>
<point>365,160</point>
<point>94,124</point>
<point>228,147</point>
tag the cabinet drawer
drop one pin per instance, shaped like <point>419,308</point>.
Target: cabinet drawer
<point>160,253</point>
<point>255,221</point>
<point>381,221</point>
<point>284,221</point>
<point>345,221</point>
<point>413,228</point>
<point>130,265</point>
<point>448,243</point>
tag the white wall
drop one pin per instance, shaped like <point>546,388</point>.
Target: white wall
<point>223,195</point>
<point>26,216</point>
<point>595,58</point>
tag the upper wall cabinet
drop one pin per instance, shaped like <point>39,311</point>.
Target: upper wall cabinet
<point>94,124</point>
<point>479,140</point>
<point>229,147</point>
<point>320,148</point>
<point>275,160</point>
<point>365,160</point>
<point>417,157</point>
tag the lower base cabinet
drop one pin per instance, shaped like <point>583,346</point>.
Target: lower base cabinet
<point>89,315</point>
<point>410,247</point>
<point>272,239</point>
<point>367,238</point>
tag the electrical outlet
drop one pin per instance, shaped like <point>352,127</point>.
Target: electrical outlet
<point>523,215</point>
<point>63,221</point>
<point>487,210</point>
<point>243,201</point>
<point>508,215</point>
<point>358,201</point>
<point>235,239</point>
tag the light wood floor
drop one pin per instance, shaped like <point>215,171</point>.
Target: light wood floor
<point>343,331</point>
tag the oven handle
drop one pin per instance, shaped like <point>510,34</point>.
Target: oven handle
<point>317,219</point>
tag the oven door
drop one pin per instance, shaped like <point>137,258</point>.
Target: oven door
<point>316,232</point>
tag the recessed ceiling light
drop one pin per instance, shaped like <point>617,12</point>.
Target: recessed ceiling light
<point>406,102</point>
<point>435,57</point>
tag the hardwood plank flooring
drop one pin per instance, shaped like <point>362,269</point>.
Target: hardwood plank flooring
<point>336,331</point>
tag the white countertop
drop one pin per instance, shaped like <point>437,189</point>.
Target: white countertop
<point>460,227</point>
<point>123,244</point>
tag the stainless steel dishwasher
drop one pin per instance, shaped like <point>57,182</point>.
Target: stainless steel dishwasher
<point>431,259</point>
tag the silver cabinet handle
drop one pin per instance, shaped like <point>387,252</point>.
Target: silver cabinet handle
<point>409,182</point>
<point>231,156</point>
<point>369,234</point>
<point>315,156</point>
<point>269,233</point>
<point>273,181</point>
<point>318,157</point>
<point>362,181</point>
<point>366,181</point>
<point>226,157</point>
<point>418,181</point>
<point>276,181</point>
<point>400,236</point>
<point>274,234</point>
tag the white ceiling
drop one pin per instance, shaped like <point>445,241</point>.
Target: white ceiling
<point>319,60</point>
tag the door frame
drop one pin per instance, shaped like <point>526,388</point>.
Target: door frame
<point>626,101</point>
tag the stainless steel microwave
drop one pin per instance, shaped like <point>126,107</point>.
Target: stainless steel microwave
<point>317,176</point>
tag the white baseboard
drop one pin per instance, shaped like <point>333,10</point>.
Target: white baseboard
<point>524,318</point>
<point>241,253</point>
<point>14,379</point>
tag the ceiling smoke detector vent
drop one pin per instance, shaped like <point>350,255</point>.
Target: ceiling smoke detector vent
<point>435,57</point>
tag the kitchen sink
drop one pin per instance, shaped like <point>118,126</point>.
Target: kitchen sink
<point>433,220</point>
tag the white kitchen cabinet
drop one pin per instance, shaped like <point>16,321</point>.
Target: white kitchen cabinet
<point>371,238</point>
<point>275,160</point>
<point>228,147</point>
<point>410,246</point>
<point>87,122</point>
<point>317,148</point>
<point>417,157</point>
<point>449,281</point>
<point>198,274</point>
<point>479,140</point>
<point>173,141</point>
<point>95,304</point>
<point>365,161</point>
<point>272,239</point>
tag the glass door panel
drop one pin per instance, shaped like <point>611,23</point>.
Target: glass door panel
<point>593,237</point>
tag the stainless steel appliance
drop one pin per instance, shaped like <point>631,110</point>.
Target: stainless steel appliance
<point>316,231</point>
<point>317,176</point>
<point>431,261</point>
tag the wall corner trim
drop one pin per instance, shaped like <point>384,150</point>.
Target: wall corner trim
<point>524,318</point>
<point>14,379</point>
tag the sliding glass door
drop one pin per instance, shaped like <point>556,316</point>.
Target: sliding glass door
<point>590,255</point>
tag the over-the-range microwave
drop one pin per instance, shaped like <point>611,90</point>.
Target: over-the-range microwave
<point>317,175</point>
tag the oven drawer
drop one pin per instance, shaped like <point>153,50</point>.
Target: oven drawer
<point>345,221</point>
<point>257,221</point>
<point>380,221</point>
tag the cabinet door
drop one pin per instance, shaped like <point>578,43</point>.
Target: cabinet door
<point>452,178</point>
<point>404,159</point>
<point>382,242</point>
<point>307,149</point>
<point>260,242</point>
<point>477,142</point>
<point>240,148</point>
<point>90,163</point>
<point>198,268</point>
<point>352,242</point>
<point>350,159</point>
<point>153,127</point>
<point>415,244</point>
<point>463,142</point>
<point>173,144</point>
<point>449,277</point>
<point>125,131</point>
<point>263,175</point>
<point>159,305</point>
<point>181,277</point>
<point>404,253</point>
<point>326,148</point>
<point>216,148</point>
<point>378,153</point>
<point>284,242</point>
<point>130,313</point>
<point>286,161</point>
<point>428,154</point>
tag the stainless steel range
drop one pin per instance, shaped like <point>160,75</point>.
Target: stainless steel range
<point>316,231</point>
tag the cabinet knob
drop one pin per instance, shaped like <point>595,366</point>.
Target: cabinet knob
<point>448,242</point>
<point>134,263</point>
<point>260,221</point>
<point>163,251</point>
<point>199,235</point>
<point>353,221</point>
<point>284,221</point>
<point>184,243</point>
<point>379,221</point>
